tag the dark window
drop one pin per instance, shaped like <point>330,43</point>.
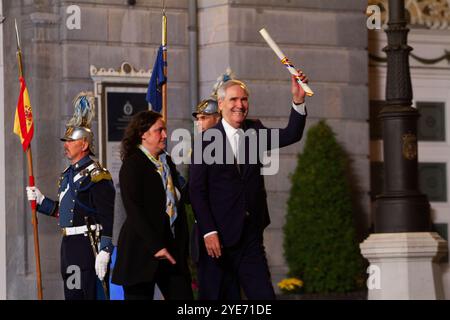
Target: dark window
<point>431,126</point>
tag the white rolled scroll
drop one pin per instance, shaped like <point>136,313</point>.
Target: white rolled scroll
<point>284,60</point>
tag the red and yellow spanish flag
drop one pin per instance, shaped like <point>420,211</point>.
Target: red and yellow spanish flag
<point>23,122</point>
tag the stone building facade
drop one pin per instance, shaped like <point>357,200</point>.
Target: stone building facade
<point>327,39</point>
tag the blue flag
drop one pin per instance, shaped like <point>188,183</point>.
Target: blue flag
<point>154,91</point>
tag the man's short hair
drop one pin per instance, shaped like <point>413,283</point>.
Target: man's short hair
<point>233,82</point>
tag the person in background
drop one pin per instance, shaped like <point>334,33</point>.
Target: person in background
<point>206,114</point>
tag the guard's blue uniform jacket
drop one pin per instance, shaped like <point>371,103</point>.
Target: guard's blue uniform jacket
<point>85,190</point>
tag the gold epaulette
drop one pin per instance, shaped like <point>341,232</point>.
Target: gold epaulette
<point>99,173</point>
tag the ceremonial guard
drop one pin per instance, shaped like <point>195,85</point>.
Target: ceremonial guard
<point>84,207</point>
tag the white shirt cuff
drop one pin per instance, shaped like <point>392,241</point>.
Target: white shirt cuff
<point>209,233</point>
<point>301,108</point>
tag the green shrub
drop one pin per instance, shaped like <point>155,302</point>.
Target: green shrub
<point>319,243</point>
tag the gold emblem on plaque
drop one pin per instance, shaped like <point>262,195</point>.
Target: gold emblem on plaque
<point>409,146</point>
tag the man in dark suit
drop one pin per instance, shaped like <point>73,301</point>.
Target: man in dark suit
<point>229,197</point>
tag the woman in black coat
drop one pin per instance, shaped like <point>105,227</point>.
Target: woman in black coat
<point>152,247</point>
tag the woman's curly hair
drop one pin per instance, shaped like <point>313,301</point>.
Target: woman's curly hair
<point>139,124</point>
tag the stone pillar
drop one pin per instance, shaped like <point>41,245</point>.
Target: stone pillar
<point>404,266</point>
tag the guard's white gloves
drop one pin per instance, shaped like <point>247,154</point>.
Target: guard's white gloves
<point>34,193</point>
<point>101,264</point>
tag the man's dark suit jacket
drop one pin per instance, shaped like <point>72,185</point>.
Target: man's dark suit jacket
<point>146,229</point>
<point>222,194</point>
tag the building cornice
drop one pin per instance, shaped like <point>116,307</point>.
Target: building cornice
<point>430,14</point>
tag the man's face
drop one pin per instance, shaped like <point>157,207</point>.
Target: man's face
<point>234,106</point>
<point>75,150</point>
<point>154,139</point>
<point>206,121</point>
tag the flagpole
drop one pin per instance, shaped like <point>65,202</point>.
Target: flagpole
<point>34,220</point>
<point>164,45</point>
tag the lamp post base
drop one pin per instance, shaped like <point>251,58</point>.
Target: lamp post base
<point>404,266</point>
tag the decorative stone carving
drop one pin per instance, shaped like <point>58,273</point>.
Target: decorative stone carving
<point>125,70</point>
<point>431,14</point>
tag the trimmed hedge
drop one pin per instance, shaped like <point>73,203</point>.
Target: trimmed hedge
<point>319,243</point>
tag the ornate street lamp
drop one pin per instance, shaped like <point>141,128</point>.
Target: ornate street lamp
<point>401,207</point>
